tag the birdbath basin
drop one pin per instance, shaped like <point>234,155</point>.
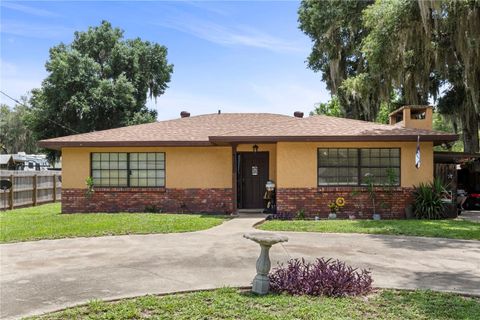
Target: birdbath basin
<point>261,284</point>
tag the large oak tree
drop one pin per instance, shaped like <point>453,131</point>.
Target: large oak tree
<point>414,50</point>
<point>99,81</point>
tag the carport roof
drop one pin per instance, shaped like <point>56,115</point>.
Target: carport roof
<point>454,157</point>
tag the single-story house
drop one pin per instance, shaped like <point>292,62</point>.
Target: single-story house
<point>221,163</point>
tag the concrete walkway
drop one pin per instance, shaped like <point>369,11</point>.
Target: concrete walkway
<point>46,275</point>
<point>473,216</point>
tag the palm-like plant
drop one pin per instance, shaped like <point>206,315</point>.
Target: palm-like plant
<point>428,202</point>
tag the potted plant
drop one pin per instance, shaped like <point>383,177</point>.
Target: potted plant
<point>388,189</point>
<point>335,206</point>
<point>371,194</point>
<point>333,210</point>
<point>409,211</point>
<point>358,205</point>
<point>300,214</point>
<point>90,191</point>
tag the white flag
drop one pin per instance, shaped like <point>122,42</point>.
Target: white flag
<point>417,154</point>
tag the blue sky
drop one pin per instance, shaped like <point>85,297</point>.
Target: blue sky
<point>233,56</point>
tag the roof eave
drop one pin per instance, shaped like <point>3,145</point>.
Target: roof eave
<point>58,145</point>
<point>438,139</point>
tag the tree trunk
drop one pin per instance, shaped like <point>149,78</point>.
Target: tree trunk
<point>470,134</point>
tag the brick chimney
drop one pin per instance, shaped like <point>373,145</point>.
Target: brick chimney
<point>418,117</point>
<point>184,114</point>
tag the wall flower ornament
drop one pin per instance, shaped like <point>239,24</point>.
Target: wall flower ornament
<point>340,201</point>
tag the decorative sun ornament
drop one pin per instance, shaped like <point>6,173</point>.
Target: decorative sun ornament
<point>340,201</point>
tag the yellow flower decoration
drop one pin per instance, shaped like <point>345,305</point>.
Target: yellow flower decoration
<point>340,201</point>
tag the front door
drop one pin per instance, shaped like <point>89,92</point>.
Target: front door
<point>252,177</point>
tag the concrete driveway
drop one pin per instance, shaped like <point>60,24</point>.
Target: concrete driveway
<point>46,275</point>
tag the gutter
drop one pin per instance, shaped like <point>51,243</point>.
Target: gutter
<point>239,139</point>
<point>57,145</point>
<point>215,140</point>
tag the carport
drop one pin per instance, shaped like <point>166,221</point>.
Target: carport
<point>458,169</point>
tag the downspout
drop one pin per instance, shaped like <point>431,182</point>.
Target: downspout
<point>234,178</point>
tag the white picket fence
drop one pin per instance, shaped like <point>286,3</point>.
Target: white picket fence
<point>30,188</point>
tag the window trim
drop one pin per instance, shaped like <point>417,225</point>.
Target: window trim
<point>358,167</point>
<point>128,171</point>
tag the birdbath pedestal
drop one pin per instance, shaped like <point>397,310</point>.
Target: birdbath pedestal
<point>261,284</point>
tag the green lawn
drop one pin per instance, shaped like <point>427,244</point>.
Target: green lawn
<point>230,303</point>
<point>46,222</point>
<point>426,228</point>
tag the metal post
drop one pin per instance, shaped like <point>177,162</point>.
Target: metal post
<point>234,178</point>
<point>34,193</point>
<point>11,193</point>
<point>54,188</point>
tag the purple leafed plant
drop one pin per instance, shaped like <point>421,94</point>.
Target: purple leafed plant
<point>281,216</point>
<point>331,278</point>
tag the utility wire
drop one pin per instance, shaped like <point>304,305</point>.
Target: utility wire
<point>20,103</point>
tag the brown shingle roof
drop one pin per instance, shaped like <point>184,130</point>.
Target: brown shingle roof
<point>244,127</point>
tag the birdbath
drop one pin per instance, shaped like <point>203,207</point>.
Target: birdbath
<point>260,284</point>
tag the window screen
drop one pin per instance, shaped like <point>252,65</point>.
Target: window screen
<point>147,169</point>
<point>120,169</point>
<point>337,166</point>
<point>348,166</point>
<point>109,169</point>
<point>380,163</point>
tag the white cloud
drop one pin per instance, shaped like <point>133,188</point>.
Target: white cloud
<point>208,6</point>
<point>289,97</point>
<point>28,9</point>
<point>39,31</point>
<point>261,97</point>
<point>230,36</point>
<point>18,87</point>
<point>174,101</point>
<point>16,80</point>
<point>7,68</point>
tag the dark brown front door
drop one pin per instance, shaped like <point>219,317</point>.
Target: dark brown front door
<point>252,177</point>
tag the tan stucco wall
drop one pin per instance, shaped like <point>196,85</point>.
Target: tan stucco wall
<point>194,167</point>
<point>418,123</point>
<point>272,156</point>
<point>297,161</point>
<point>291,164</point>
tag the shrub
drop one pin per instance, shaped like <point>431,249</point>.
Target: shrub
<point>331,278</point>
<point>152,209</point>
<point>89,182</point>
<point>300,214</point>
<point>428,202</point>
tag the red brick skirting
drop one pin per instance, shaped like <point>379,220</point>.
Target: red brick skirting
<point>315,202</point>
<point>215,200</point>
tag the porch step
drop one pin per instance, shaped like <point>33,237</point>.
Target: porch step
<point>250,210</point>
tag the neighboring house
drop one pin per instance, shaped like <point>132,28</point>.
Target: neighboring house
<point>221,162</point>
<point>6,162</point>
<point>35,162</point>
<point>19,160</point>
<point>24,162</point>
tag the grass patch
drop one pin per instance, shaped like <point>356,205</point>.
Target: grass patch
<point>231,303</point>
<point>454,229</point>
<point>46,222</point>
